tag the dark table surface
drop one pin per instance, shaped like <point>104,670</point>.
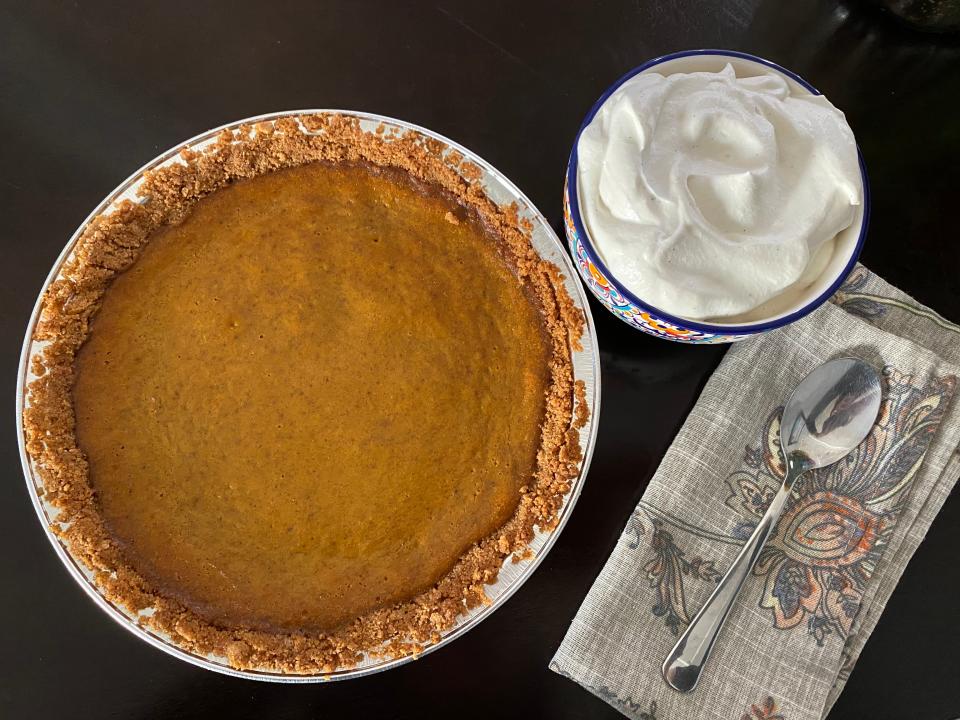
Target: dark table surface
<point>89,92</point>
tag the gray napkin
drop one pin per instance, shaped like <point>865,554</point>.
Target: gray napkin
<point>838,551</point>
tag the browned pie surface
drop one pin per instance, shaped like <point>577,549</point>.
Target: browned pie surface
<point>310,398</point>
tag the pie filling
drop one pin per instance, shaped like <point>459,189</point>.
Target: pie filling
<point>311,397</point>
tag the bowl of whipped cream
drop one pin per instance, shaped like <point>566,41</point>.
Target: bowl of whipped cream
<point>712,195</point>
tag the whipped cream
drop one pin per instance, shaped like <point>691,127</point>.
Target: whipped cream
<point>707,195</point>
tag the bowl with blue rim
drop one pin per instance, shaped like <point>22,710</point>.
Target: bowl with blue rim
<point>643,315</point>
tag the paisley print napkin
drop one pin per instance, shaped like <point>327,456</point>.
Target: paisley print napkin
<point>834,558</point>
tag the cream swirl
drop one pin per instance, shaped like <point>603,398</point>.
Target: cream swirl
<point>707,195</point>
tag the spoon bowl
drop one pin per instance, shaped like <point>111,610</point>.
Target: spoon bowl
<point>831,411</point>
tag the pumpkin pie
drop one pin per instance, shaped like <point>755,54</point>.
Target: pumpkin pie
<point>301,400</point>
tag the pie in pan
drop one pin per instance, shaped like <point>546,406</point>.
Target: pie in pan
<point>298,402</point>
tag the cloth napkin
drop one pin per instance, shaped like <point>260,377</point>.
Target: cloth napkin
<point>845,537</point>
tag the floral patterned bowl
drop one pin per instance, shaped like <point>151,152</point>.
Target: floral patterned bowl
<point>644,316</point>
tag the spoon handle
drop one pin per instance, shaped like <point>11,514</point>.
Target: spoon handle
<point>683,665</point>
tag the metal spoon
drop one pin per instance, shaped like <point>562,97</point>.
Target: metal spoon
<point>829,413</point>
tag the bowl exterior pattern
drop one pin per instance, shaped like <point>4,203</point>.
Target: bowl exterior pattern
<point>612,297</point>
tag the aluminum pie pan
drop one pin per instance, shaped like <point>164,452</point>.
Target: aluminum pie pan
<point>586,367</point>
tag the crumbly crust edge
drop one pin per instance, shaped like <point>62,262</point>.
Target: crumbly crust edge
<point>112,242</point>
